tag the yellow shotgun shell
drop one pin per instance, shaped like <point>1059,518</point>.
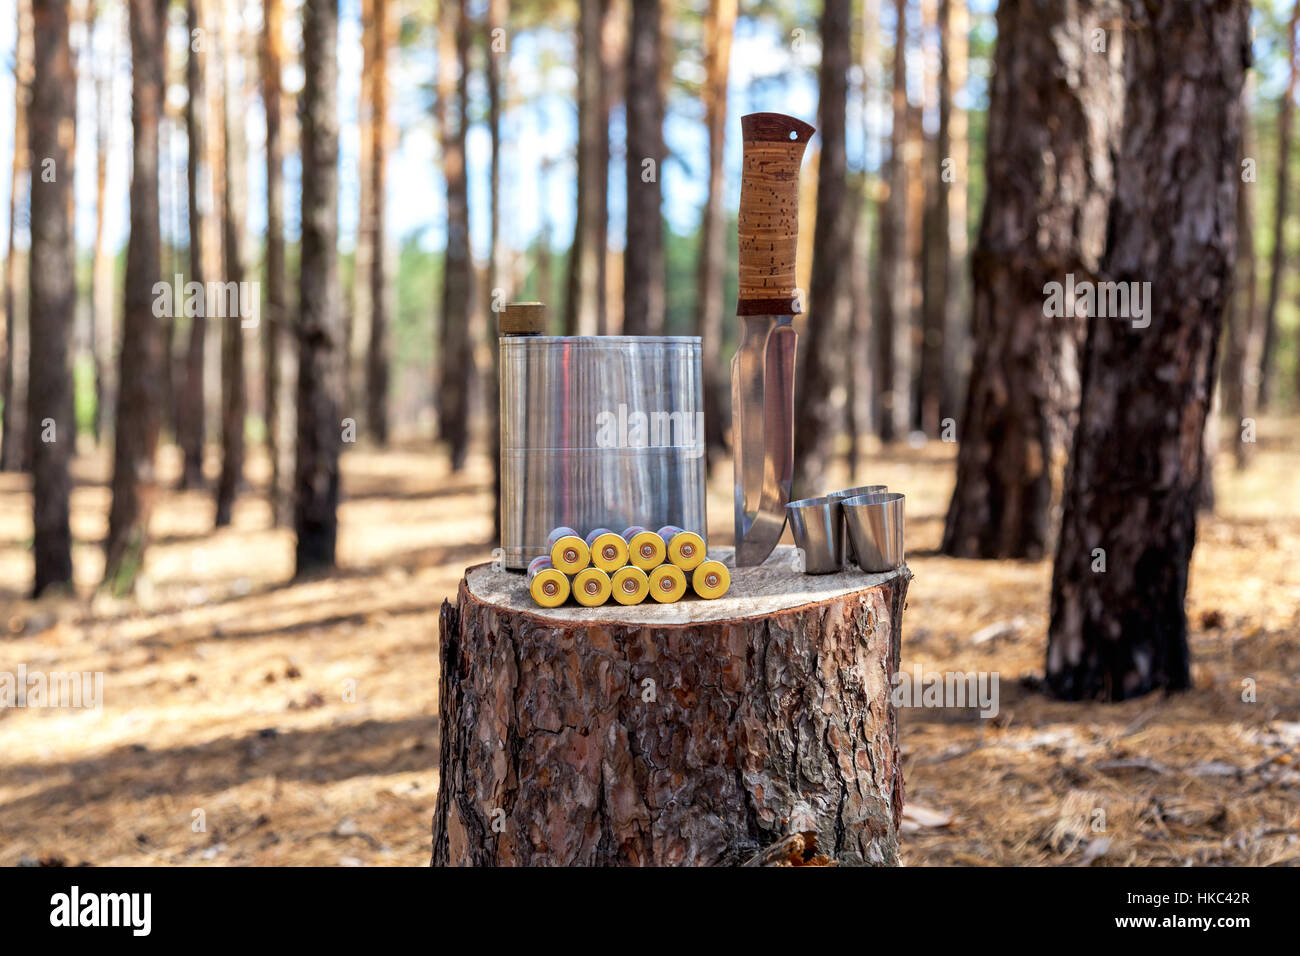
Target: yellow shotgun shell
<point>711,580</point>
<point>646,549</point>
<point>591,587</point>
<point>685,548</point>
<point>667,583</point>
<point>549,587</point>
<point>630,584</point>
<point>608,550</point>
<point>568,552</point>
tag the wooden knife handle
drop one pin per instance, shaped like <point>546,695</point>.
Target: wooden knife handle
<point>769,212</point>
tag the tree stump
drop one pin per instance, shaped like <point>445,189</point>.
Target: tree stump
<point>696,733</point>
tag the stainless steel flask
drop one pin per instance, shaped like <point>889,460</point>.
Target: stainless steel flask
<point>598,431</point>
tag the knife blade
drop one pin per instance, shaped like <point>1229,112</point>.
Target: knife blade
<point>762,372</point>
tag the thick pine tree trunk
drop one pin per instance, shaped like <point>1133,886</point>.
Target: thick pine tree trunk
<point>718,27</point>
<point>320,322</point>
<point>13,369</point>
<point>378,38</point>
<point>1137,462</point>
<point>278,369</point>
<point>234,394</point>
<point>819,415</point>
<point>1278,263</point>
<point>191,413</point>
<point>458,377</point>
<point>51,422</point>
<point>692,734</point>
<point>643,256</point>
<point>1053,125</point>
<point>139,408</point>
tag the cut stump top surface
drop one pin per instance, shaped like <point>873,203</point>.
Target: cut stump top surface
<point>774,586</point>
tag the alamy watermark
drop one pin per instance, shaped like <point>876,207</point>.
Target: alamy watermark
<point>209,300</point>
<point>937,689</point>
<point>637,429</point>
<point>32,689</point>
<point>1105,300</point>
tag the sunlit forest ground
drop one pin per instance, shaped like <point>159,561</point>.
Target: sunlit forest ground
<point>301,719</point>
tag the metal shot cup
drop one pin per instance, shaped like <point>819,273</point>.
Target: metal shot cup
<point>630,584</point>
<point>608,550</point>
<point>849,553</point>
<point>567,551</point>
<point>819,533</point>
<point>548,587</point>
<point>591,587</point>
<point>686,549</point>
<point>646,550</point>
<point>876,528</point>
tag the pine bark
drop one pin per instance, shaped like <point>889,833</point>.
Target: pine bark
<point>320,323</point>
<point>191,420</point>
<point>719,24</point>
<point>13,368</point>
<point>1137,461</point>
<point>101,282</point>
<point>581,313</point>
<point>377,353</point>
<point>458,377</point>
<point>819,415</point>
<point>634,743</point>
<point>893,377</point>
<point>1281,203</point>
<point>52,299</point>
<point>139,408</point>
<point>277,340</point>
<point>643,256</point>
<point>1050,178</point>
<point>234,393</point>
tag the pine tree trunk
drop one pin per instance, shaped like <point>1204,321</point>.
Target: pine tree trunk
<point>954,158</point>
<point>457,380</point>
<point>1245,333</point>
<point>934,250</point>
<point>1277,266</point>
<point>1050,179</point>
<point>139,408</point>
<point>191,418</point>
<point>497,65</point>
<point>581,315</point>
<point>234,394</point>
<point>278,370</point>
<point>320,323</point>
<point>101,282</point>
<point>693,734</point>
<point>51,422</point>
<point>643,256</point>
<point>13,367</point>
<point>893,296</point>
<point>1137,461</point>
<point>819,415</point>
<point>379,38</point>
<point>719,24</point>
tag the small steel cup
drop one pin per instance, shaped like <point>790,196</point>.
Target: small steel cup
<point>876,529</point>
<point>840,496</point>
<point>818,528</point>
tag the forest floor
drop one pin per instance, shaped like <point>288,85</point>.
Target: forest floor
<point>247,719</point>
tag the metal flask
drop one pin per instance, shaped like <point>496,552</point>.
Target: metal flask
<point>599,432</point>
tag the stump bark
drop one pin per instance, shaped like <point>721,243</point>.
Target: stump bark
<point>697,733</point>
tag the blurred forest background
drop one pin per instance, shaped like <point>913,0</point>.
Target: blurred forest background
<point>235,516</point>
